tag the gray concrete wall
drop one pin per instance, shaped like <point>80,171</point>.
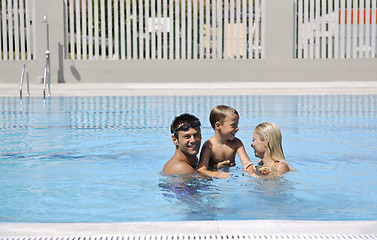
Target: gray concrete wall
<point>53,9</point>
<point>278,65</point>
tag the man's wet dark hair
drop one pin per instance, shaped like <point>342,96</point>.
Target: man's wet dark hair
<point>184,118</point>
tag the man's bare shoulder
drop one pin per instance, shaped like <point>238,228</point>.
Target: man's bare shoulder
<point>173,166</point>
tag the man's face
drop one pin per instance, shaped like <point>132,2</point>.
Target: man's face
<point>188,141</point>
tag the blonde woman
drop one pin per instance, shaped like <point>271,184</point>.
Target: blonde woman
<point>267,146</point>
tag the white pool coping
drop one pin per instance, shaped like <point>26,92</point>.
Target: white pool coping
<point>252,227</point>
<point>195,88</point>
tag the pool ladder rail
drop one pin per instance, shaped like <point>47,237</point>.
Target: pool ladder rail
<point>46,80</point>
<point>46,76</point>
<point>24,69</point>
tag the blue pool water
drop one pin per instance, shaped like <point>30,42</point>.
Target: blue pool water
<point>99,159</point>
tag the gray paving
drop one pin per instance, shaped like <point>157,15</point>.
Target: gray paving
<point>195,88</point>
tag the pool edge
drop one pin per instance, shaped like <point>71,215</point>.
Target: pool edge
<point>187,228</point>
<point>199,88</point>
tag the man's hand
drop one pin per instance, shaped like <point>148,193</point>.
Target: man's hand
<point>222,175</point>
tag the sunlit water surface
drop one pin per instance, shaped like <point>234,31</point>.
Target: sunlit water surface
<point>99,159</point>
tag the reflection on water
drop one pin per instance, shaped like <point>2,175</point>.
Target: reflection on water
<point>151,111</point>
<point>112,112</point>
<point>241,197</point>
<point>184,188</point>
<point>192,191</point>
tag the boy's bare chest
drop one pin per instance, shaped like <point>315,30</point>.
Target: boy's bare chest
<point>221,152</point>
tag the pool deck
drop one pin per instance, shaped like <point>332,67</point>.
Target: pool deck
<point>248,227</point>
<point>195,88</point>
<point>252,227</point>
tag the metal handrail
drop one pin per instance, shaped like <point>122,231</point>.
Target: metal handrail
<point>24,69</point>
<point>46,76</point>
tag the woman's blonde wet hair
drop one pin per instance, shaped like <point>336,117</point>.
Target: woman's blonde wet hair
<point>219,113</point>
<point>271,132</point>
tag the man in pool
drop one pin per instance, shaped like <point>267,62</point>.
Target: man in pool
<point>186,136</point>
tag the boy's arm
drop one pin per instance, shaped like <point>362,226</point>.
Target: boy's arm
<point>205,155</point>
<point>246,163</point>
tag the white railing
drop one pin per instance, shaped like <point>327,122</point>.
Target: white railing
<point>16,30</point>
<point>191,29</point>
<point>336,28</point>
<point>174,29</point>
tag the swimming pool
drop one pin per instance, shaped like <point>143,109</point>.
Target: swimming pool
<point>99,159</point>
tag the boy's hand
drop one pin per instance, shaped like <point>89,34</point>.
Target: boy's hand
<point>222,164</point>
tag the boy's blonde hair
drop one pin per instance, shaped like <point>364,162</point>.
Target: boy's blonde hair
<point>271,131</point>
<point>219,113</point>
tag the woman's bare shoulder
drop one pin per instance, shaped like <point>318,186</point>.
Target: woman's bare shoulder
<point>281,167</point>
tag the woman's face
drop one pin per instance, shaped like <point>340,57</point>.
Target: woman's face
<point>258,145</point>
